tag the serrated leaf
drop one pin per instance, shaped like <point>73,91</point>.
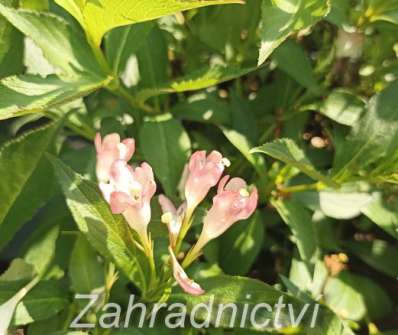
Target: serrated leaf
<point>27,94</point>
<point>239,291</point>
<point>24,170</point>
<point>11,46</point>
<point>288,152</point>
<point>107,233</point>
<point>99,16</point>
<point>205,78</point>
<point>282,18</point>
<point>62,45</point>
<point>166,146</point>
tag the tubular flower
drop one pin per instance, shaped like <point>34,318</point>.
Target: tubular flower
<point>109,150</point>
<point>129,193</point>
<point>232,203</point>
<point>172,218</point>
<point>203,173</point>
<point>187,284</point>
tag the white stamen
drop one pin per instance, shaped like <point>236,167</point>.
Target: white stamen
<point>226,162</point>
<point>244,193</point>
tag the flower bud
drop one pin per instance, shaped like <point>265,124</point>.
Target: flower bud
<point>109,150</point>
<point>203,173</point>
<point>131,191</point>
<point>232,203</point>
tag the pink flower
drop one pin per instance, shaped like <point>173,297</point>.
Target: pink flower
<point>109,150</point>
<point>172,217</point>
<point>232,203</point>
<point>203,173</point>
<point>187,284</point>
<point>129,193</point>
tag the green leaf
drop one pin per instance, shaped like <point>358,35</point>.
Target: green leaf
<point>24,171</point>
<point>121,43</point>
<point>42,302</point>
<point>228,37</point>
<point>383,213</point>
<point>35,4</point>
<point>62,45</point>
<point>241,291</point>
<point>240,245</point>
<point>206,108</point>
<point>153,63</point>
<point>288,152</point>
<point>339,12</point>
<point>108,234</point>
<point>343,107</point>
<point>100,16</point>
<point>373,138</point>
<point>378,254</point>
<point>382,11</point>
<point>27,94</point>
<point>11,46</point>
<point>343,298</point>
<point>11,301</point>
<point>352,297</point>
<point>19,270</point>
<point>293,60</point>
<point>198,80</point>
<point>42,252</point>
<point>343,204</point>
<point>243,144</point>
<point>281,18</point>
<point>166,146</point>
<point>85,272</point>
<point>300,222</point>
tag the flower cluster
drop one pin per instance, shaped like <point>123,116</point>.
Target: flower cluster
<point>129,190</point>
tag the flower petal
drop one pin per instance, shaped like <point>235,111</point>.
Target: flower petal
<point>166,204</point>
<point>119,202</point>
<point>235,184</point>
<point>188,285</point>
<point>128,149</point>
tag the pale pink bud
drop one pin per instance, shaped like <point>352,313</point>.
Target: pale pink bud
<point>109,150</point>
<point>187,284</point>
<point>203,173</point>
<point>132,193</point>
<point>172,217</point>
<point>232,203</point>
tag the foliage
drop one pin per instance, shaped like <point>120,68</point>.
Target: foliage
<point>300,95</point>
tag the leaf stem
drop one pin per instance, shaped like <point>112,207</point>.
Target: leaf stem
<point>121,91</point>
<point>301,188</point>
